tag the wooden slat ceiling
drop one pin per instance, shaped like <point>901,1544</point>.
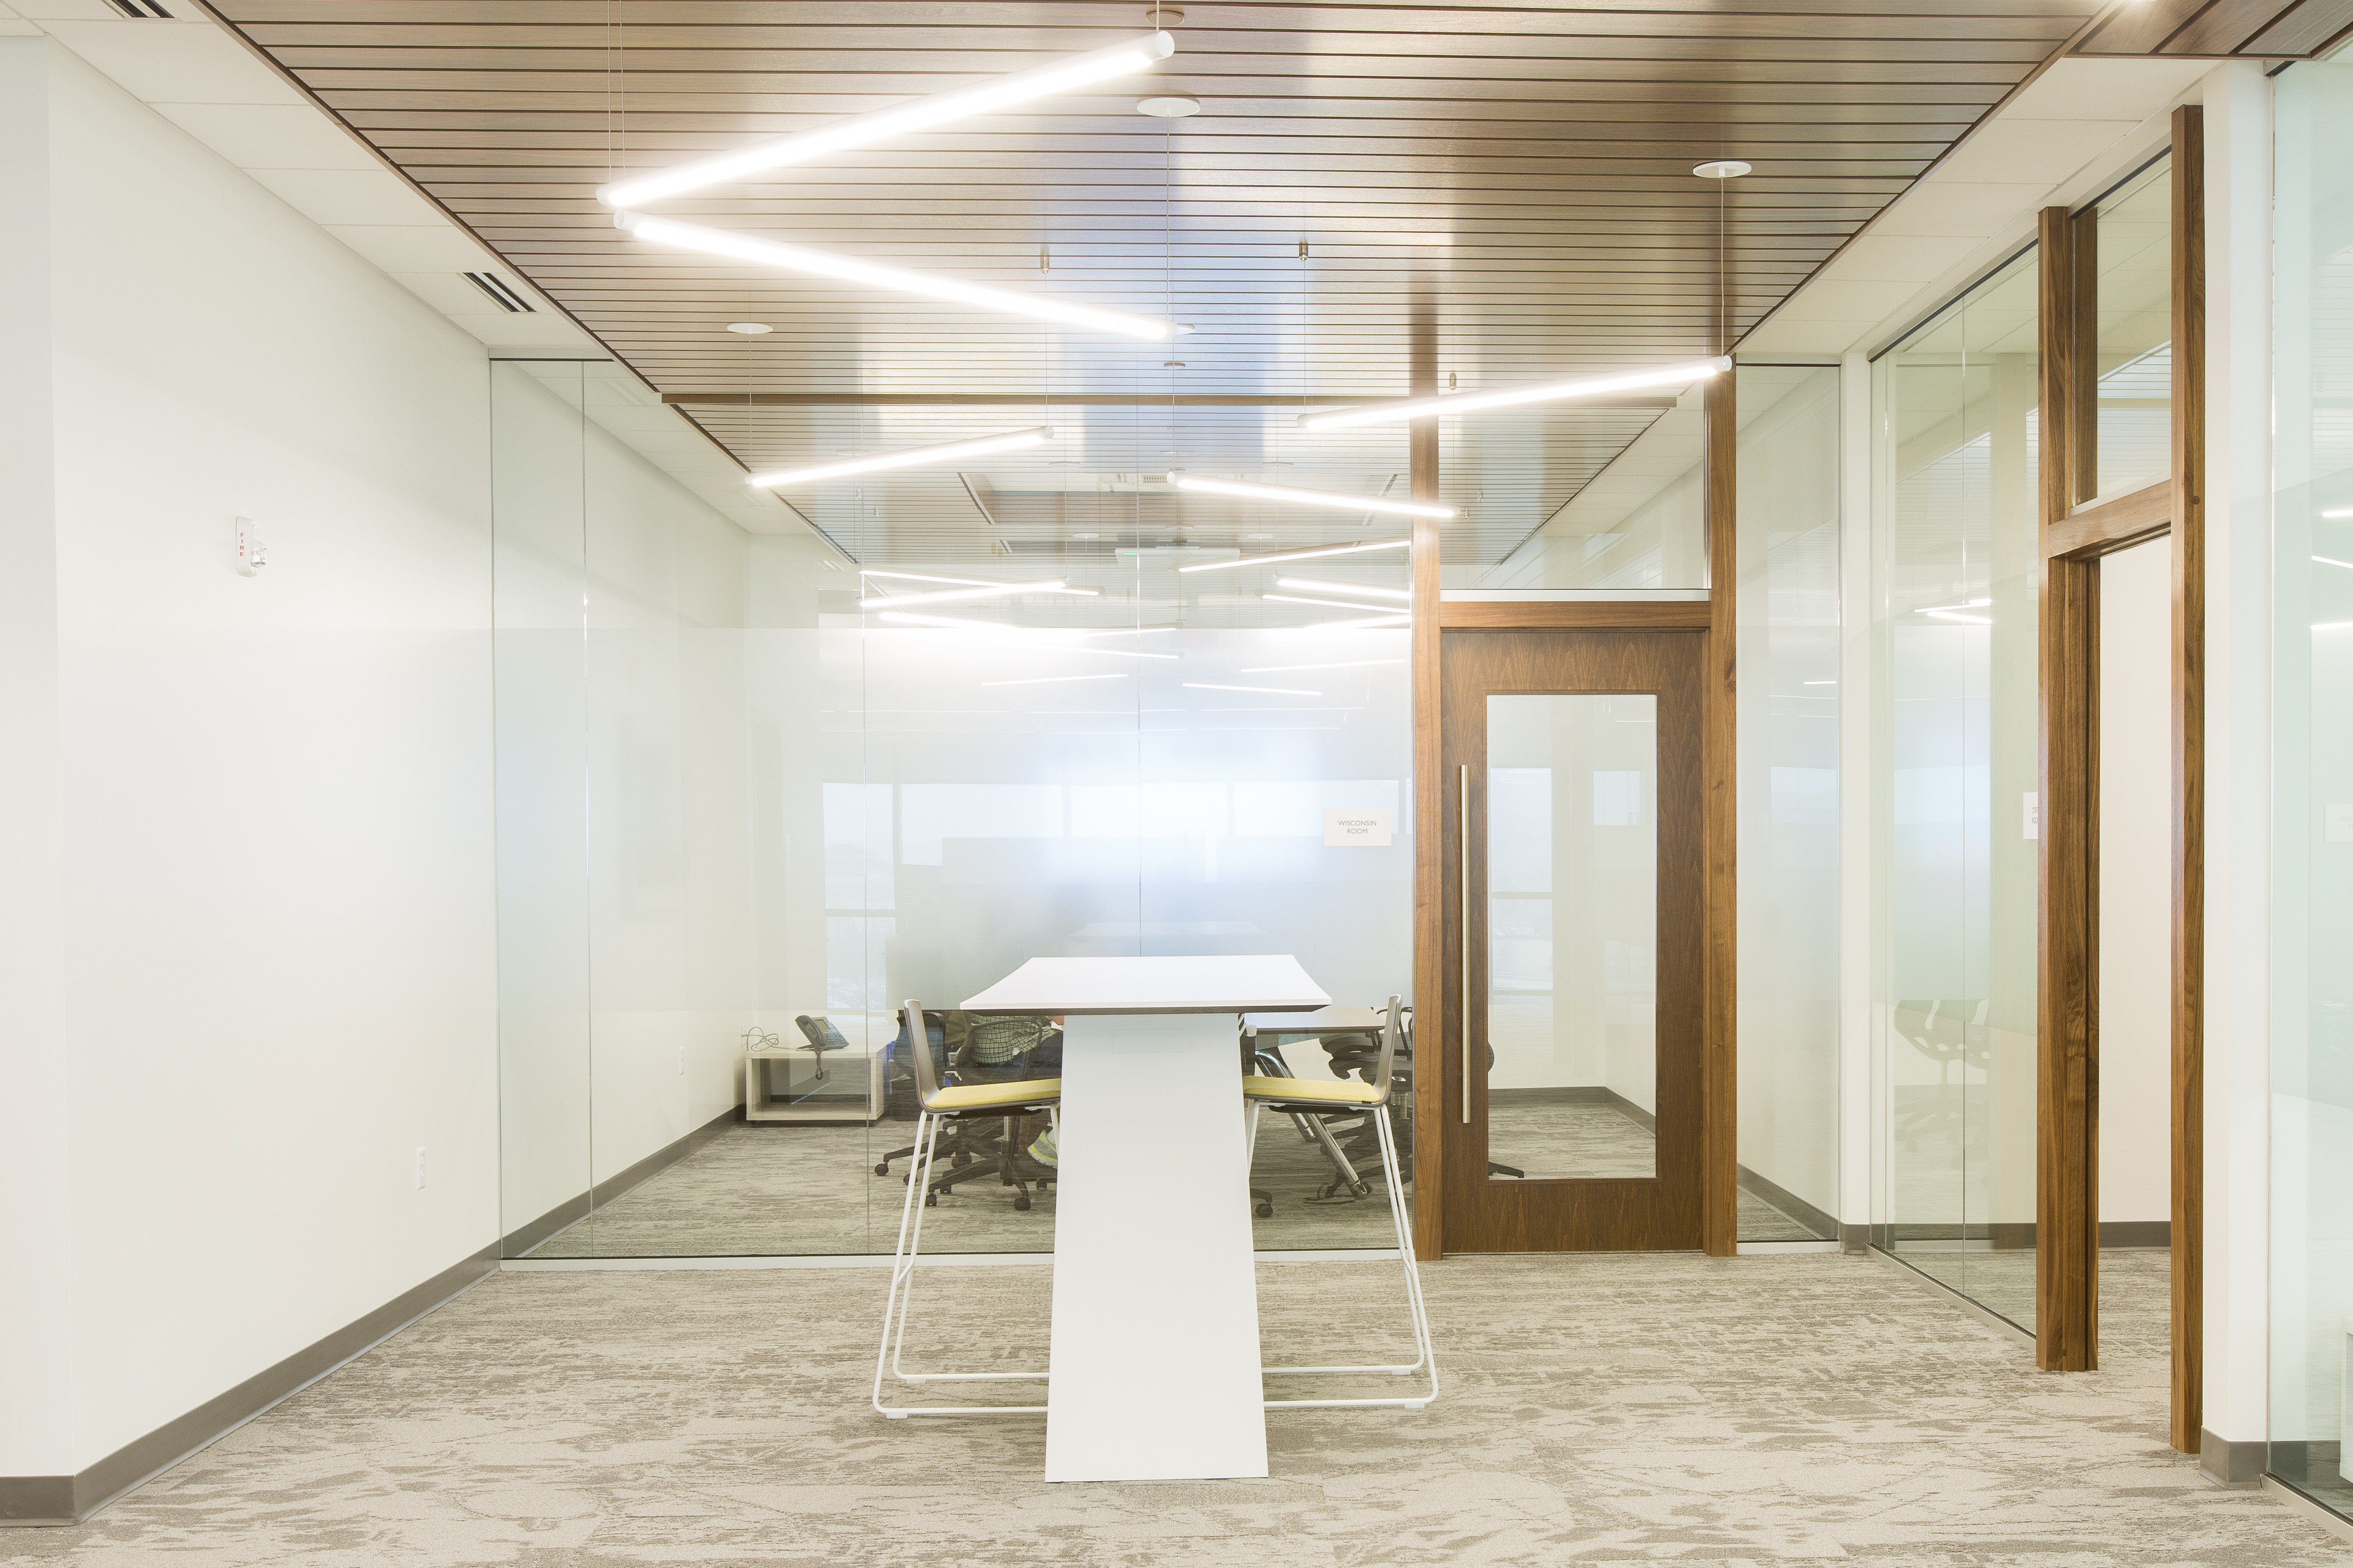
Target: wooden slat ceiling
<point>1517,174</point>
<point>2265,29</point>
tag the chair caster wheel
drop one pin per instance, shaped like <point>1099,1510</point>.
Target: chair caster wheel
<point>883,1169</point>
<point>930,1200</point>
<point>1264,1211</point>
<point>960,1159</point>
<point>1021,1202</point>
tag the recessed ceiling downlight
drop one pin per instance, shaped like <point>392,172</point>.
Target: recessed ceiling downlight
<point>751,329</point>
<point>1169,105</point>
<point>1722,169</point>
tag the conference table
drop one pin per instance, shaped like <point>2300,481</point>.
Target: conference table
<point>1153,1370</point>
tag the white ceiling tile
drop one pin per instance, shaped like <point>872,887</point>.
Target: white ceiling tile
<point>2012,151</point>
<point>347,196</point>
<point>1783,337</point>
<point>1873,256</point>
<point>174,62</point>
<point>1839,299</point>
<point>270,135</point>
<point>440,246</point>
<point>2126,89</point>
<point>1972,212</point>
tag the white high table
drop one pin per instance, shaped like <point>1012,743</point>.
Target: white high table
<point>1154,1373</point>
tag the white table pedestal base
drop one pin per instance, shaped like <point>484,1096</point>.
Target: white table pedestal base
<point>1156,1354</point>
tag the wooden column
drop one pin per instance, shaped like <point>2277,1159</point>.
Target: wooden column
<point>2066,1195</point>
<point>1719,1097</point>
<point>2189,774</point>
<point>1433,1005</point>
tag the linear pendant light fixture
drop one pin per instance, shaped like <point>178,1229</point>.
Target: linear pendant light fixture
<point>967,595</point>
<point>1297,555</point>
<point>947,452</point>
<point>1317,585</point>
<point>1309,498</point>
<point>1505,398</point>
<point>875,274</point>
<point>1331,603</point>
<point>900,120</point>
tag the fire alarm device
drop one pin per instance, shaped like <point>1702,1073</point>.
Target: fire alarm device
<point>252,556</point>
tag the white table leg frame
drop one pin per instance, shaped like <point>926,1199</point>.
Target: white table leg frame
<point>1424,1354</point>
<point>905,1258</point>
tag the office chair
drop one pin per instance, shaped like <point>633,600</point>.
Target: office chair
<point>1270,1062</point>
<point>1949,1031</point>
<point>941,1106</point>
<point>1262,1093</point>
<point>1354,1054</point>
<point>999,1048</point>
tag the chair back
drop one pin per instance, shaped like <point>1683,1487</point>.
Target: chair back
<point>1391,1029</point>
<point>911,1028</point>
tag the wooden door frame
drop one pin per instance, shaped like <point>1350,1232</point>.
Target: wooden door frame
<point>2074,537</point>
<point>1436,1008</point>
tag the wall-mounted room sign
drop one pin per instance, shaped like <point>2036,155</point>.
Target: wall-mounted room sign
<point>1356,826</point>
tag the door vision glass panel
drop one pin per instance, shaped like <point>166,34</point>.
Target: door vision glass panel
<point>1572,935</point>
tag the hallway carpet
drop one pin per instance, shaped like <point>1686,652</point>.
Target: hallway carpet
<point>1796,1409</point>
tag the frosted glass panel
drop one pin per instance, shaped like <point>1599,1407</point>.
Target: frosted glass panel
<point>1572,936</point>
<point>1955,866</point>
<point>2311,1231</point>
<point>1788,747</point>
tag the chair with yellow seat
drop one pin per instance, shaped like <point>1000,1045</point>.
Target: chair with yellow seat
<point>940,1105</point>
<point>1313,1096</point>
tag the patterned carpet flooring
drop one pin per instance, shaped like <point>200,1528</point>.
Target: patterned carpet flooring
<point>770,1190</point>
<point>1597,1409</point>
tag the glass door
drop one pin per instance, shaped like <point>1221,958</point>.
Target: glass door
<point>1574,758</point>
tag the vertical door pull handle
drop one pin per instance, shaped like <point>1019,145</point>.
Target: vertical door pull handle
<point>1462,874</point>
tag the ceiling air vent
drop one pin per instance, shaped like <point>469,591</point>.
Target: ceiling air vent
<point>142,10</point>
<point>508,297</point>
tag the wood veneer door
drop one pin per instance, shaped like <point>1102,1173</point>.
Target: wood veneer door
<point>1570,766</point>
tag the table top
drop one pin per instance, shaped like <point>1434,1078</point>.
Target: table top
<point>1324,1020</point>
<point>1228,983</point>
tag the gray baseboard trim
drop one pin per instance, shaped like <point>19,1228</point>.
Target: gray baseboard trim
<point>521,1241</point>
<point>1855,1238</point>
<point>1774,1195</point>
<point>882,1260</point>
<point>2313,1512</point>
<point>2136,1232</point>
<point>2230,1463</point>
<point>70,1499</point>
<point>1992,1319</point>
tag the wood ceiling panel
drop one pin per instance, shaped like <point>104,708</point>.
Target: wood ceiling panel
<point>1548,145</point>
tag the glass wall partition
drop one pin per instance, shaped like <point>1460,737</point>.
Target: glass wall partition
<point>747,807</point>
<point>2131,444</point>
<point>1955,762</point>
<point>2311,1338</point>
<point>1787,612</point>
<point>1635,518</point>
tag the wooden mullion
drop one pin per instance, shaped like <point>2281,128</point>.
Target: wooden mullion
<point>1719,1100</point>
<point>1604,615</point>
<point>2066,1198</point>
<point>1432,1009</point>
<point>2189,1038</point>
<point>2118,524</point>
<point>2084,378</point>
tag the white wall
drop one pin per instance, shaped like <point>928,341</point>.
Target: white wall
<point>2137,883</point>
<point>274,981</point>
